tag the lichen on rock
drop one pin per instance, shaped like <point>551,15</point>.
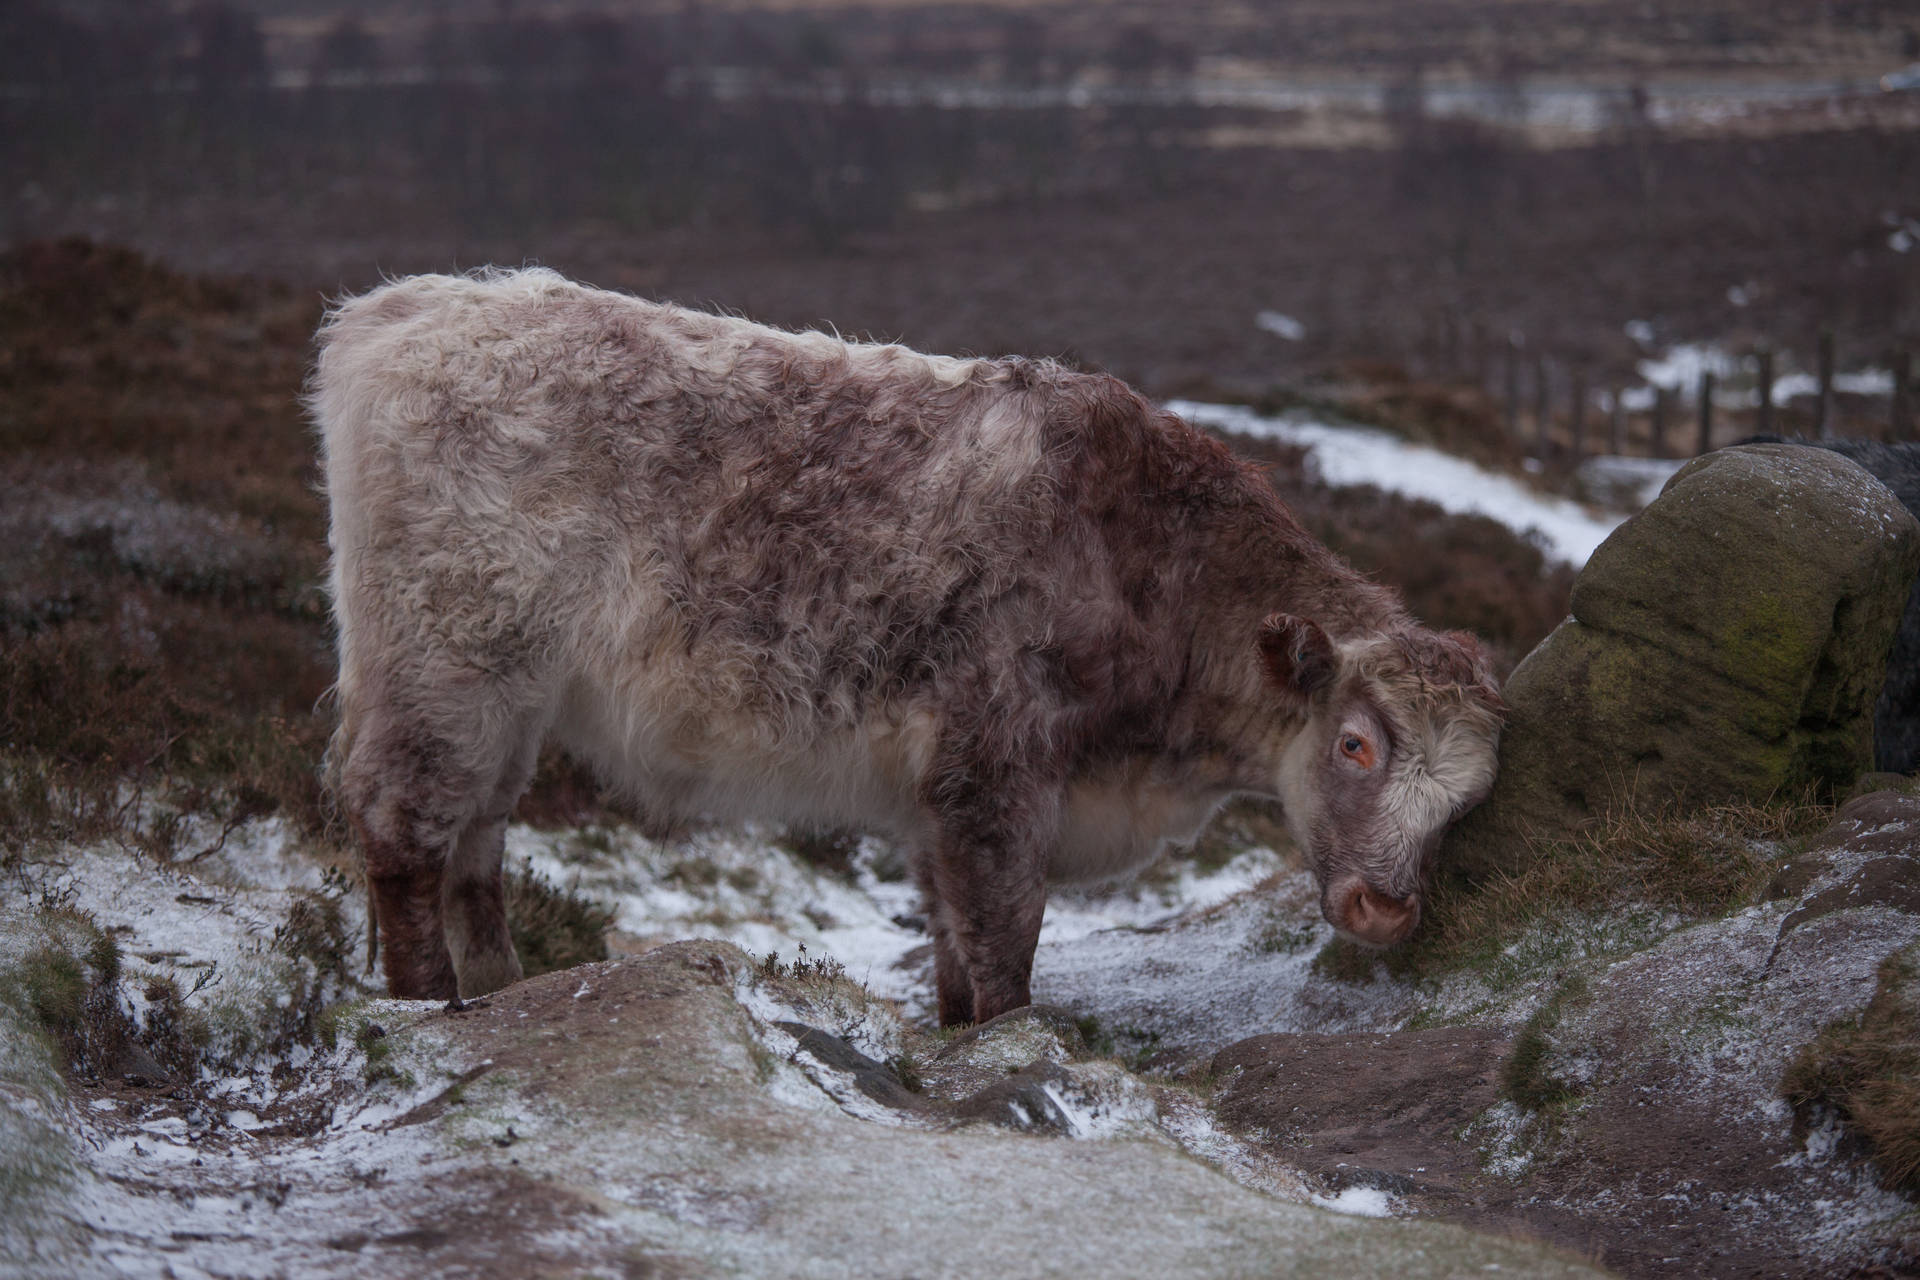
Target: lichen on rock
<point>1726,644</point>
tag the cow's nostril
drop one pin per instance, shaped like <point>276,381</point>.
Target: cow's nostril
<point>1380,918</point>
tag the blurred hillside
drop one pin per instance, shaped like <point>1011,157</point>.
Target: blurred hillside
<point>1129,185</point>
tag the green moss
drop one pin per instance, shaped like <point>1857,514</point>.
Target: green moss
<point>1355,963</point>
<point>1524,1076</point>
<point>1097,1038</point>
<point>1761,640</point>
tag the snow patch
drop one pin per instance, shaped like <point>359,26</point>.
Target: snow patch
<point>1281,325</point>
<point>1362,1202</point>
<point>1344,456</point>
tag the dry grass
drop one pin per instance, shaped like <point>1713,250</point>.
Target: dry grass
<point>163,627</point>
<point>161,623</point>
<point>553,928</point>
<point>1868,1070</point>
<point>1456,418</point>
<point>1699,863</point>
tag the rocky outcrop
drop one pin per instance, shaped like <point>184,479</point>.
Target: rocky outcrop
<point>1727,643</point>
<point>1896,717</point>
<point>1638,1114</point>
<point>670,1114</point>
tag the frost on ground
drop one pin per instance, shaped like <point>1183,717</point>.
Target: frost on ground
<point>667,1112</point>
<point>748,889</point>
<point>701,1110</point>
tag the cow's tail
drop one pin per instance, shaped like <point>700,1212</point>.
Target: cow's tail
<point>343,397</point>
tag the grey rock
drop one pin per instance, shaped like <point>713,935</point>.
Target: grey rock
<point>1896,716</point>
<point>1726,644</point>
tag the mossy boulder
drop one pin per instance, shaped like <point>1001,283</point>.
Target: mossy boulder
<point>1726,644</point>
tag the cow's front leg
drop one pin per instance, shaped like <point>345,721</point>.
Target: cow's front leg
<point>951,983</point>
<point>413,784</point>
<point>996,927</point>
<point>986,889</point>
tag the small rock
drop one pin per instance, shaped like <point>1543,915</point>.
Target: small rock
<point>874,1079</point>
<point>1021,1101</point>
<point>1883,882</point>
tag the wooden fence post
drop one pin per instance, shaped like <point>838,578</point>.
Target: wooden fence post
<point>1542,405</point>
<point>1706,412</point>
<point>1900,412</point>
<point>1577,424</point>
<point>1657,442</point>
<point>1823,415</point>
<point>1763,419</point>
<point>1513,387</point>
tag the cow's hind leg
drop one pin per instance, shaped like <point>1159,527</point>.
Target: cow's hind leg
<point>474,892</point>
<point>414,781</point>
<point>406,806</point>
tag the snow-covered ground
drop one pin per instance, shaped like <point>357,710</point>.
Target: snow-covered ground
<point>1342,455</point>
<point>746,888</point>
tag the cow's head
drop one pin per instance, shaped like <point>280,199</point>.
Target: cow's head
<point>1399,740</point>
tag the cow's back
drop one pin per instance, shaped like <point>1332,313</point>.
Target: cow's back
<point>733,545</point>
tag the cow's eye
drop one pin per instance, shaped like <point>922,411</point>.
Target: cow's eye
<point>1357,749</point>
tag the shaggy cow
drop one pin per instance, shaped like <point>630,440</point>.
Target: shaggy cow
<point>1009,613</point>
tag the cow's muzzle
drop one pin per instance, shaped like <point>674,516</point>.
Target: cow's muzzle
<point>1371,916</point>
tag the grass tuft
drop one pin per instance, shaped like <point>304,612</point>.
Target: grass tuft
<point>818,969</point>
<point>553,928</point>
<point>1098,1040</point>
<point>69,983</point>
<point>1698,863</point>
<point>1867,1069</point>
<point>830,850</point>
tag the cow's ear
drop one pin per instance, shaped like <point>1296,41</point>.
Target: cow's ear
<point>1298,654</point>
